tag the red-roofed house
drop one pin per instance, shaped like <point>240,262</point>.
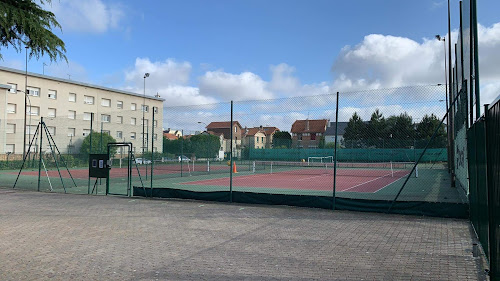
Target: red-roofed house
<point>170,136</point>
<point>224,129</point>
<point>308,133</point>
<point>259,137</point>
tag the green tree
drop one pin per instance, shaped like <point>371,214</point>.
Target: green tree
<point>25,23</point>
<point>355,131</point>
<point>401,131</point>
<point>282,139</point>
<point>376,129</point>
<point>96,144</point>
<point>426,128</point>
<point>205,146</point>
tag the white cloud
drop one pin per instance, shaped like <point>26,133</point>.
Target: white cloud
<point>228,86</point>
<point>92,16</point>
<point>162,73</point>
<point>282,79</point>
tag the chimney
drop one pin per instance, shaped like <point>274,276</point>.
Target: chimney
<point>307,124</point>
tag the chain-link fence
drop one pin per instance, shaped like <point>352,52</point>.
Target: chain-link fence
<point>356,153</point>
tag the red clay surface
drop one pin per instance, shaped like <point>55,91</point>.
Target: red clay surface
<point>351,181</point>
<point>122,172</point>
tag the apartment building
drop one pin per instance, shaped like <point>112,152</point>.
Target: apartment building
<point>67,107</point>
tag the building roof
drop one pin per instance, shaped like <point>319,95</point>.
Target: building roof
<point>170,136</point>
<point>253,131</point>
<point>222,125</point>
<point>77,83</point>
<point>330,131</point>
<point>215,133</point>
<point>270,130</point>
<point>309,126</point>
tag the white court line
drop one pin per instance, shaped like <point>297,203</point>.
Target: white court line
<point>312,177</point>
<point>390,183</point>
<point>366,182</point>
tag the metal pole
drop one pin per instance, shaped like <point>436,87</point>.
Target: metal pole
<point>152,149</point>
<point>182,149</point>
<point>450,99</point>
<point>476,58</point>
<point>231,159</point>
<point>90,148</point>
<point>462,68</point>
<point>40,155</point>
<point>143,159</point>
<point>335,152</point>
<point>25,101</point>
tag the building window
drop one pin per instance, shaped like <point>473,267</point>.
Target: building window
<point>119,134</point>
<point>133,106</point>
<point>88,99</point>
<point>35,92</point>
<point>145,123</point>
<point>257,139</point>
<point>299,136</point>
<point>52,94</point>
<point>133,121</point>
<point>72,97</point>
<point>119,119</point>
<point>71,132</point>
<point>33,110</point>
<point>155,123</point>
<point>313,136</point>
<point>155,136</point>
<point>11,108</point>
<point>52,130</point>
<point>71,114</point>
<point>11,128</point>
<point>105,118</point>
<point>10,148</point>
<point>13,88</point>
<point>235,129</point>
<point>132,136</point>
<point>106,102</point>
<point>87,116</point>
<point>30,129</point>
<point>119,104</point>
<point>262,139</point>
<point>86,132</point>
<point>145,108</point>
<point>52,112</point>
<point>106,132</point>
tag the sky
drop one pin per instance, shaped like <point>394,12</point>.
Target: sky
<point>203,52</point>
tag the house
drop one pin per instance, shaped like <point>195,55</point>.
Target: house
<point>308,133</point>
<point>177,133</point>
<point>330,132</point>
<point>255,138</point>
<point>224,128</point>
<point>169,136</point>
<point>270,131</point>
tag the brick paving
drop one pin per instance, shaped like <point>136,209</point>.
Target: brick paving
<point>79,237</point>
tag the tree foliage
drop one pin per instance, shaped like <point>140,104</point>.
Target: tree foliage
<point>397,131</point>
<point>201,146</point>
<point>282,139</point>
<point>97,146</point>
<point>26,23</point>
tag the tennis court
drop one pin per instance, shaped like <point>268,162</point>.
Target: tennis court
<point>352,177</point>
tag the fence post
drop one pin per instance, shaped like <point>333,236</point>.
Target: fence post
<point>40,152</point>
<point>90,149</point>
<point>231,158</point>
<point>335,152</point>
<point>152,148</point>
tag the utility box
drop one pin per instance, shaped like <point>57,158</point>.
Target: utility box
<point>99,165</point>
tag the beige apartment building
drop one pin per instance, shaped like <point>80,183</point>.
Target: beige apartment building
<point>67,106</point>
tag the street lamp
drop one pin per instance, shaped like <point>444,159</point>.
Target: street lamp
<point>146,75</point>
<point>25,101</point>
<point>448,125</point>
<point>199,122</point>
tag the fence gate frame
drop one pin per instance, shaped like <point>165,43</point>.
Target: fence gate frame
<point>129,167</point>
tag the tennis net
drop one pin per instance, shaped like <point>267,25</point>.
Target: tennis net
<point>389,169</point>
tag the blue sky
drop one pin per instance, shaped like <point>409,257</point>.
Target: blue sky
<point>210,51</point>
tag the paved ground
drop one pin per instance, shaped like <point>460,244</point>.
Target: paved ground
<point>80,237</point>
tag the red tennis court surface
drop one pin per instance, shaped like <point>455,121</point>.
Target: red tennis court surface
<point>347,180</point>
<point>122,172</point>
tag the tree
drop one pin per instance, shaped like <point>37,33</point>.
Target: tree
<point>282,139</point>
<point>401,131</point>
<point>25,23</point>
<point>355,131</point>
<point>96,144</point>
<point>206,146</point>
<point>376,129</point>
<point>426,128</point>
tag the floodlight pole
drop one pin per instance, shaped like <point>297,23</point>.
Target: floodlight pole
<point>25,100</point>
<point>335,151</point>
<point>146,75</point>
